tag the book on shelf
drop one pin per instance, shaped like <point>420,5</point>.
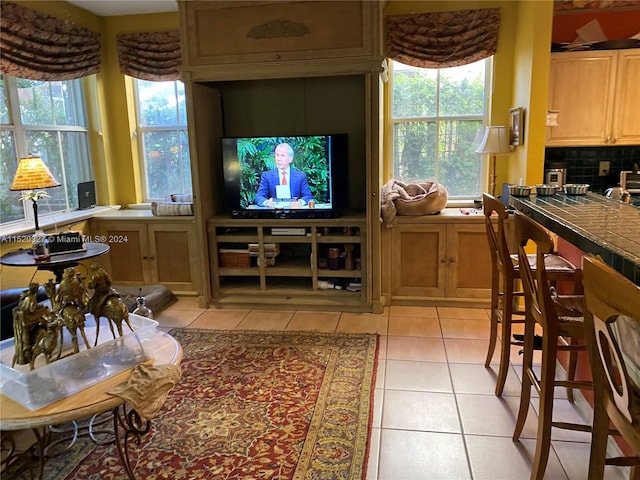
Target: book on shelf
<point>270,249</point>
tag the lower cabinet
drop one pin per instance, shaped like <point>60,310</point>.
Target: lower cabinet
<point>439,260</point>
<point>147,251</point>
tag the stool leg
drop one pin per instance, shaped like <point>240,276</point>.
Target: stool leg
<point>527,365</point>
<point>599,435</point>
<point>572,367</point>
<point>505,351</point>
<point>495,299</point>
<point>545,410</point>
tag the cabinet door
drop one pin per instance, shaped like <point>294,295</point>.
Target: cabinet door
<point>626,121</point>
<point>170,257</point>
<point>581,88</point>
<point>128,242</point>
<point>418,261</point>
<point>468,262</point>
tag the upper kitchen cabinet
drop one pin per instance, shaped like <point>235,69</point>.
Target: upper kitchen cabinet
<point>595,93</point>
<point>264,39</point>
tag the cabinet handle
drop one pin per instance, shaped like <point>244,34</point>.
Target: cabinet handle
<point>443,260</point>
<point>613,140</point>
<point>144,257</point>
<point>452,260</point>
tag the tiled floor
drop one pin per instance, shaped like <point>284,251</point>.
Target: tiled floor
<point>435,414</point>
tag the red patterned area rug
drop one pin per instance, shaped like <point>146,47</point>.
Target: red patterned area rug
<point>253,405</point>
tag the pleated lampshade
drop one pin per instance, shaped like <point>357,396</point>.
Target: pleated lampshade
<point>33,174</point>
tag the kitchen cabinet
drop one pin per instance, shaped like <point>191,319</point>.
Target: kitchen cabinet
<point>440,260</point>
<point>595,93</point>
<point>157,250</point>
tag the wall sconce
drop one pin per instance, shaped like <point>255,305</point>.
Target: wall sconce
<point>495,142</point>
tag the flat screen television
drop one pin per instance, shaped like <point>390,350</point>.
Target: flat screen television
<point>316,187</point>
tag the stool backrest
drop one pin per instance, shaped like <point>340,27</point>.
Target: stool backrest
<point>498,245</point>
<point>535,281</point>
<point>612,322</point>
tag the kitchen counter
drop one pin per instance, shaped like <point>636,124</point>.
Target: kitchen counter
<point>593,223</point>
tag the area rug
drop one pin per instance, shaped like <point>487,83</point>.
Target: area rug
<point>252,405</point>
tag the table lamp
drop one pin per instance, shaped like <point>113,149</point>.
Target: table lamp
<point>33,174</point>
<point>495,142</point>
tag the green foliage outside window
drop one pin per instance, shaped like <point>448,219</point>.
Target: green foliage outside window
<point>437,116</point>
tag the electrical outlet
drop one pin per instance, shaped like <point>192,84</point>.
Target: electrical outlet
<point>603,169</point>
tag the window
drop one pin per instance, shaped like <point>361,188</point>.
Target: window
<point>437,117</point>
<point>48,119</point>
<point>162,138</point>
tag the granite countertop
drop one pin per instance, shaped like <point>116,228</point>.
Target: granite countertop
<point>593,223</point>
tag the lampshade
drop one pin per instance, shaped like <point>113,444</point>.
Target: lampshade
<point>495,141</point>
<point>33,174</point>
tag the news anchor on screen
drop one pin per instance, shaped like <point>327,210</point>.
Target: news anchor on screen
<point>283,183</point>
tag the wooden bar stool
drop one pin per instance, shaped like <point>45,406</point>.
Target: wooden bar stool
<point>505,290</point>
<point>612,324</point>
<point>562,325</point>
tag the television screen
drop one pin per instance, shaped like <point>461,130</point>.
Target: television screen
<point>253,169</point>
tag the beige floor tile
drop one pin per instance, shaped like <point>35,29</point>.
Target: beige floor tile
<point>414,326</point>
<point>418,376</point>
<point>314,321</point>
<point>220,319</point>
<point>412,311</point>
<point>473,378</point>
<point>266,320</point>
<point>499,458</point>
<point>410,455</point>
<point>463,313</point>
<point>495,416</point>
<point>177,318</point>
<point>461,328</point>
<point>185,303</point>
<point>575,461</point>
<point>423,411</point>
<point>565,411</point>
<point>425,349</point>
<point>357,323</point>
<point>468,350</point>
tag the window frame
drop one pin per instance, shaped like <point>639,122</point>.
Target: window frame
<point>391,121</point>
<point>20,132</point>
<point>139,132</point>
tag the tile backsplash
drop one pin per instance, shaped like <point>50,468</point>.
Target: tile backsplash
<point>582,163</point>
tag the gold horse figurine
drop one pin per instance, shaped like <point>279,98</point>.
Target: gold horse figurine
<point>106,302</point>
<point>69,301</point>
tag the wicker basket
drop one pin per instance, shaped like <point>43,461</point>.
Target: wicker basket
<point>232,257</point>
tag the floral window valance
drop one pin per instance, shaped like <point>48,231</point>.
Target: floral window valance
<point>443,39</point>
<point>154,56</point>
<point>41,47</point>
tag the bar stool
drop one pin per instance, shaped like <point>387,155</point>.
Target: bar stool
<point>505,290</point>
<point>612,324</point>
<point>559,317</point>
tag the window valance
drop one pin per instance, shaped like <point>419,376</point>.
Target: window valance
<point>443,39</point>
<point>154,56</point>
<point>41,47</point>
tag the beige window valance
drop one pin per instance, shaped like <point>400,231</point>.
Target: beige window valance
<point>443,39</point>
<point>41,47</point>
<point>154,56</point>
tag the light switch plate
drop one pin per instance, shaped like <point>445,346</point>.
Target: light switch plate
<point>604,168</point>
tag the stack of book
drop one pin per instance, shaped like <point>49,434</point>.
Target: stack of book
<point>271,251</point>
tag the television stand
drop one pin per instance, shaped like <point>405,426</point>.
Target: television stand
<point>258,262</point>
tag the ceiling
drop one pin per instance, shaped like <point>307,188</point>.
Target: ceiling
<point>109,8</point>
